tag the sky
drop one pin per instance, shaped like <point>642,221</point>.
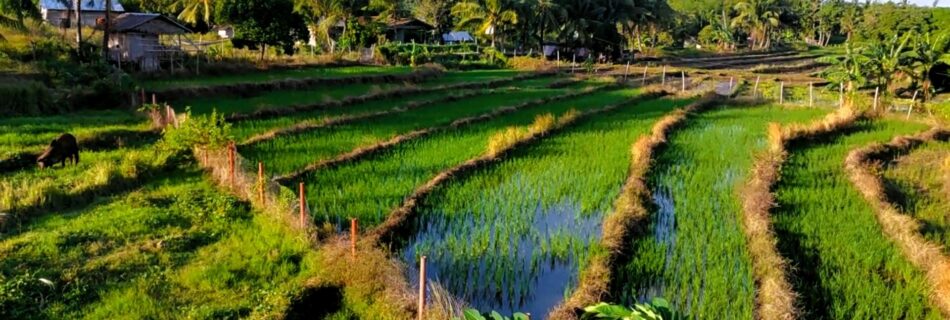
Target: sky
<point>925,3</point>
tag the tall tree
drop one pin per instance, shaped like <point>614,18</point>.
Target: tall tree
<point>271,22</point>
<point>485,16</point>
<point>886,59</point>
<point>929,50</point>
<point>437,13</point>
<point>758,18</point>
<point>193,11</point>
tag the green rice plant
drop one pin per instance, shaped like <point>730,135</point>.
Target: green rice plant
<point>174,248</point>
<point>272,75</point>
<point>32,134</point>
<point>288,153</point>
<point>844,267</point>
<point>694,250</point>
<point>513,236</point>
<point>917,191</point>
<point>283,98</point>
<point>370,189</point>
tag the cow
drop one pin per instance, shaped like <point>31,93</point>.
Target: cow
<point>59,151</point>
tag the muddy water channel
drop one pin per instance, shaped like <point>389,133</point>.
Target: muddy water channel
<point>513,237</point>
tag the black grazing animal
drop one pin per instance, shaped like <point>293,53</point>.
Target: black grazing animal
<point>62,149</point>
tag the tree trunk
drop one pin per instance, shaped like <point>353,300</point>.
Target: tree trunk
<point>105,31</point>
<point>79,25</point>
<point>494,31</point>
<point>263,48</point>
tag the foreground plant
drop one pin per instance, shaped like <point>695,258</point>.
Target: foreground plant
<point>472,314</point>
<point>658,309</point>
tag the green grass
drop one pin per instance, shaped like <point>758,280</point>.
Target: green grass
<point>512,237</point>
<point>694,253</point>
<point>918,188</point>
<point>288,153</point>
<point>32,134</point>
<point>842,264</point>
<point>284,98</point>
<point>273,75</point>
<point>176,248</point>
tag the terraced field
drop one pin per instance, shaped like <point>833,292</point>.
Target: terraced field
<point>507,185</point>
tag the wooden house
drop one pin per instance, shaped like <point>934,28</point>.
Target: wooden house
<point>55,12</point>
<point>135,39</point>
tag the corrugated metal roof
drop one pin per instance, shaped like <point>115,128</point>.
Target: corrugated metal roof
<point>457,36</point>
<point>87,5</point>
<point>129,21</point>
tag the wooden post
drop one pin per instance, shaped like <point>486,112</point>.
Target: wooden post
<point>644,82</point>
<point>558,66</point>
<point>663,82</point>
<point>231,163</point>
<point>913,101</point>
<point>154,100</point>
<point>683,79</point>
<point>626,72</point>
<point>781,92</point>
<point>841,95</point>
<point>260,183</point>
<point>303,206</point>
<point>811,94</point>
<point>755,91</point>
<point>422,287</point>
<point>876,92</point>
<point>731,83</point>
<point>353,233</point>
<point>574,63</point>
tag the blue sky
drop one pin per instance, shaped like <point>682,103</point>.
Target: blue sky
<point>927,3</point>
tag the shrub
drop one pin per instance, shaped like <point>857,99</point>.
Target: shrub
<point>658,309</point>
<point>528,63</point>
<point>210,131</point>
<point>26,98</point>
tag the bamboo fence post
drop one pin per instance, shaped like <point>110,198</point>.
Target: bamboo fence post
<point>422,287</point>
<point>231,164</point>
<point>154,100</point>
<point>811,94</point>
<point>781,92</point>
<point>913,101</point>
<point>303,205</point>
<point>260,183</point>
<point>876,92</point>
<point>626,71</point>
<point>644,81</point>
<point>755,90</point>
<point>353,233</point>
<point>664,76</point>
<point>574,63</point>
<point>683,79</point>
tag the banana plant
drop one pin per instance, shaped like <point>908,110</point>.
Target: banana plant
<point>472,314</point>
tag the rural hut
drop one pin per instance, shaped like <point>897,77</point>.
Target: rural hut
<point>408,30</point>
<point>55,12</point>
<point>135,39</point>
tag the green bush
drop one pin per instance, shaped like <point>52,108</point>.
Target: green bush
<point>27,98</point>
<point>417,54</point>
<point>210,131</point>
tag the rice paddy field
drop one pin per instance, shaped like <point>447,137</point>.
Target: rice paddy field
<point>693,255</point>
<point>844,266</point>
<point>138,231</point>
<point>920,187</point>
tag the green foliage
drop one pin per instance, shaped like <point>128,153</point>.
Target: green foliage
<point>472,314</point>
<point>26,98</point>
<point>658,309</point>
<point>361,35</point>
<point>206,131</point>
<point>446,55</point>
<point>264,22</point>
<point>920,190</point>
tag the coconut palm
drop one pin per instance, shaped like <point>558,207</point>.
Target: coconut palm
<point>196,10</point>
<point>322,15</point>
<point>549,12</point>
<point>485,16</point>
<point>929,51</point>
<point>759,18</point>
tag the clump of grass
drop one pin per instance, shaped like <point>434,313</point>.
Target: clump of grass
<point>900,228</point>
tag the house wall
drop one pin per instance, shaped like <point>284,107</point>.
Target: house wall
<point>56,17</point>
<point>136,48</point>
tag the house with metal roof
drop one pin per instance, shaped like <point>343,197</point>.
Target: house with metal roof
<point>56,13</point>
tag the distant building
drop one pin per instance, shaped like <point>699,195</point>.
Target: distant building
<point>135,40</point>
<point>457,37</point>
<point>225,32</point>
<point>408,30</point>
<point>55,13</point>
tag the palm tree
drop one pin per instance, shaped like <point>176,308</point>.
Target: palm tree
<point>322,15</point>
<point>549,12</point>
<point>929,51</point>
<point>196,10</point>
<point>486,17</point>
<point>758,17</point>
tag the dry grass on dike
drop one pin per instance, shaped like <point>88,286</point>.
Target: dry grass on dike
<point>900,228</point>
<point>775,298</point>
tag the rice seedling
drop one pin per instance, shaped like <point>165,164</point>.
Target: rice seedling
<point>916,190</point>
<point>288,153</point>
<point>370,189</point>
<point>843,266</point>
<point>281,98</point>
<point>694,250</point>
<point>512,236</point>
<point>272,75</point>
<point>174,248</point>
